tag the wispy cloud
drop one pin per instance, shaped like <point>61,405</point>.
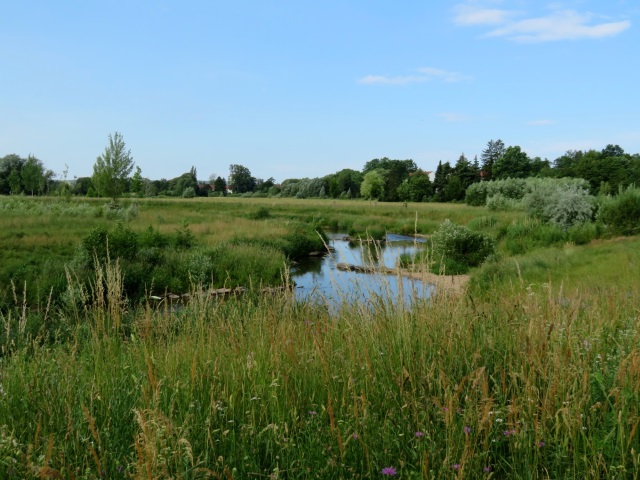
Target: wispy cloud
<point>473,15</point>
<point>557,25</point>
<point>424,74</point>
<point>538,123</point>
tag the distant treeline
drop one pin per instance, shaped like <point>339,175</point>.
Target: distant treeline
<point>606,171</point>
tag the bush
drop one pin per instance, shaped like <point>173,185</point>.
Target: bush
<point>261,213</point>
<point>532,233</point>
<point>502,202</point>
<point>622,212</point>
<point>563,202</point>
<point>569,207</point>
<point>456,244</point>
<point>476,194</point>
<point>582,233</point>
<point>184,237</point>
<point>189,192</point>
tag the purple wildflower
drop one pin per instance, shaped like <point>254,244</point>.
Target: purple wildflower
<point>486,469</point>
<point>390,471</point>
<point>467,430</point>
<point>509,432</point>
<point>313,413</point>
<point>419,434</point>
<point>456,466</point>
<point>540,444</point>
<point>354,436</point>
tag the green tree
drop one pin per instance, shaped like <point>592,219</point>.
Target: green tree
<point>240,179</point>
<point>15,183</point>
<point>420,186</point>
<point>394,172</point>
<point>495,150</point>
<point>8,164</point>
<point>513,164</point>
<point>32,174</point>
<point>440,181</point>
<point>136,181</point>
<point>220,186</point>
<point>464,174</point>
<point>184,181</point>
<point>373,185</point>
<point>112,168</point>
<point>344,181</point>
<point>82,186</point>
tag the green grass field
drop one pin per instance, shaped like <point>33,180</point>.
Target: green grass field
<point>532,373</point>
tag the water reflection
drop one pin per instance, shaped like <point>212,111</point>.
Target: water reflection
<point>318,279</point>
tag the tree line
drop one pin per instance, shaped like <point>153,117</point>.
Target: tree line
<point>384,179</point>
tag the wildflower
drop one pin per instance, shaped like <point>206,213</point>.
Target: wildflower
<point>390,471</point>
<point>456,466</point>
<point>313,413</point>
<point>354,436</point>
<point>540,444</point>
<point>509,432</point>
<point>419,434</point>
<point>486,469</point>
<point>467,430</point>
<point>445,409</point>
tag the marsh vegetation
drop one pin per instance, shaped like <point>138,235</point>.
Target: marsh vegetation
<point>531,372</point>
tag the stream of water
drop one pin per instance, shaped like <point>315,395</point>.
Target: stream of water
<point>319,279</point>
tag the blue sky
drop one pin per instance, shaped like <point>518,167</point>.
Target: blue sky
<point>301,88</point>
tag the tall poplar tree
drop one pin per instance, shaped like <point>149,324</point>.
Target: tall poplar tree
<point>112,168</point>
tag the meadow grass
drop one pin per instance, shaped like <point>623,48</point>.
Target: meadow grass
<point>533,373</point>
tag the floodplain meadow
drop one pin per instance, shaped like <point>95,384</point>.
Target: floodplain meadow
<point>533,372</point>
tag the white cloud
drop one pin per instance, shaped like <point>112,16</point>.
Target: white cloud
<point>472,15</point>
<point>562,25</point>
<point>557,25</point>
<point>425,74</point>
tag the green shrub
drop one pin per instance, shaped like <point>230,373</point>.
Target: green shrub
<point>622,212</point>
<point>476,194</point>
<point>523,236</point>
<point>123,242</point>
<point>261,214</point>
<point>501,202</point>
<point>460,245</point>
<point>582,233</point>
<point>189,192</point>
<point>185,238</point>
<point>152,238</point>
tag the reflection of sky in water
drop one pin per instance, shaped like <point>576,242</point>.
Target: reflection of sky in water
<point>318,278</point>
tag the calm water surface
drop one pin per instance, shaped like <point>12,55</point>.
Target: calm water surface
<point>319,279</point>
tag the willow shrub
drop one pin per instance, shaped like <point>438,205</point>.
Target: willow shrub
<point>456,248</point>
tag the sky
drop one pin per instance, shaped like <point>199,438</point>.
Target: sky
<point>301,88</point>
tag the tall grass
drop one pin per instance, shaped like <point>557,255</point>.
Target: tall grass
<point>532,373</point>
<point>526,385</point>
